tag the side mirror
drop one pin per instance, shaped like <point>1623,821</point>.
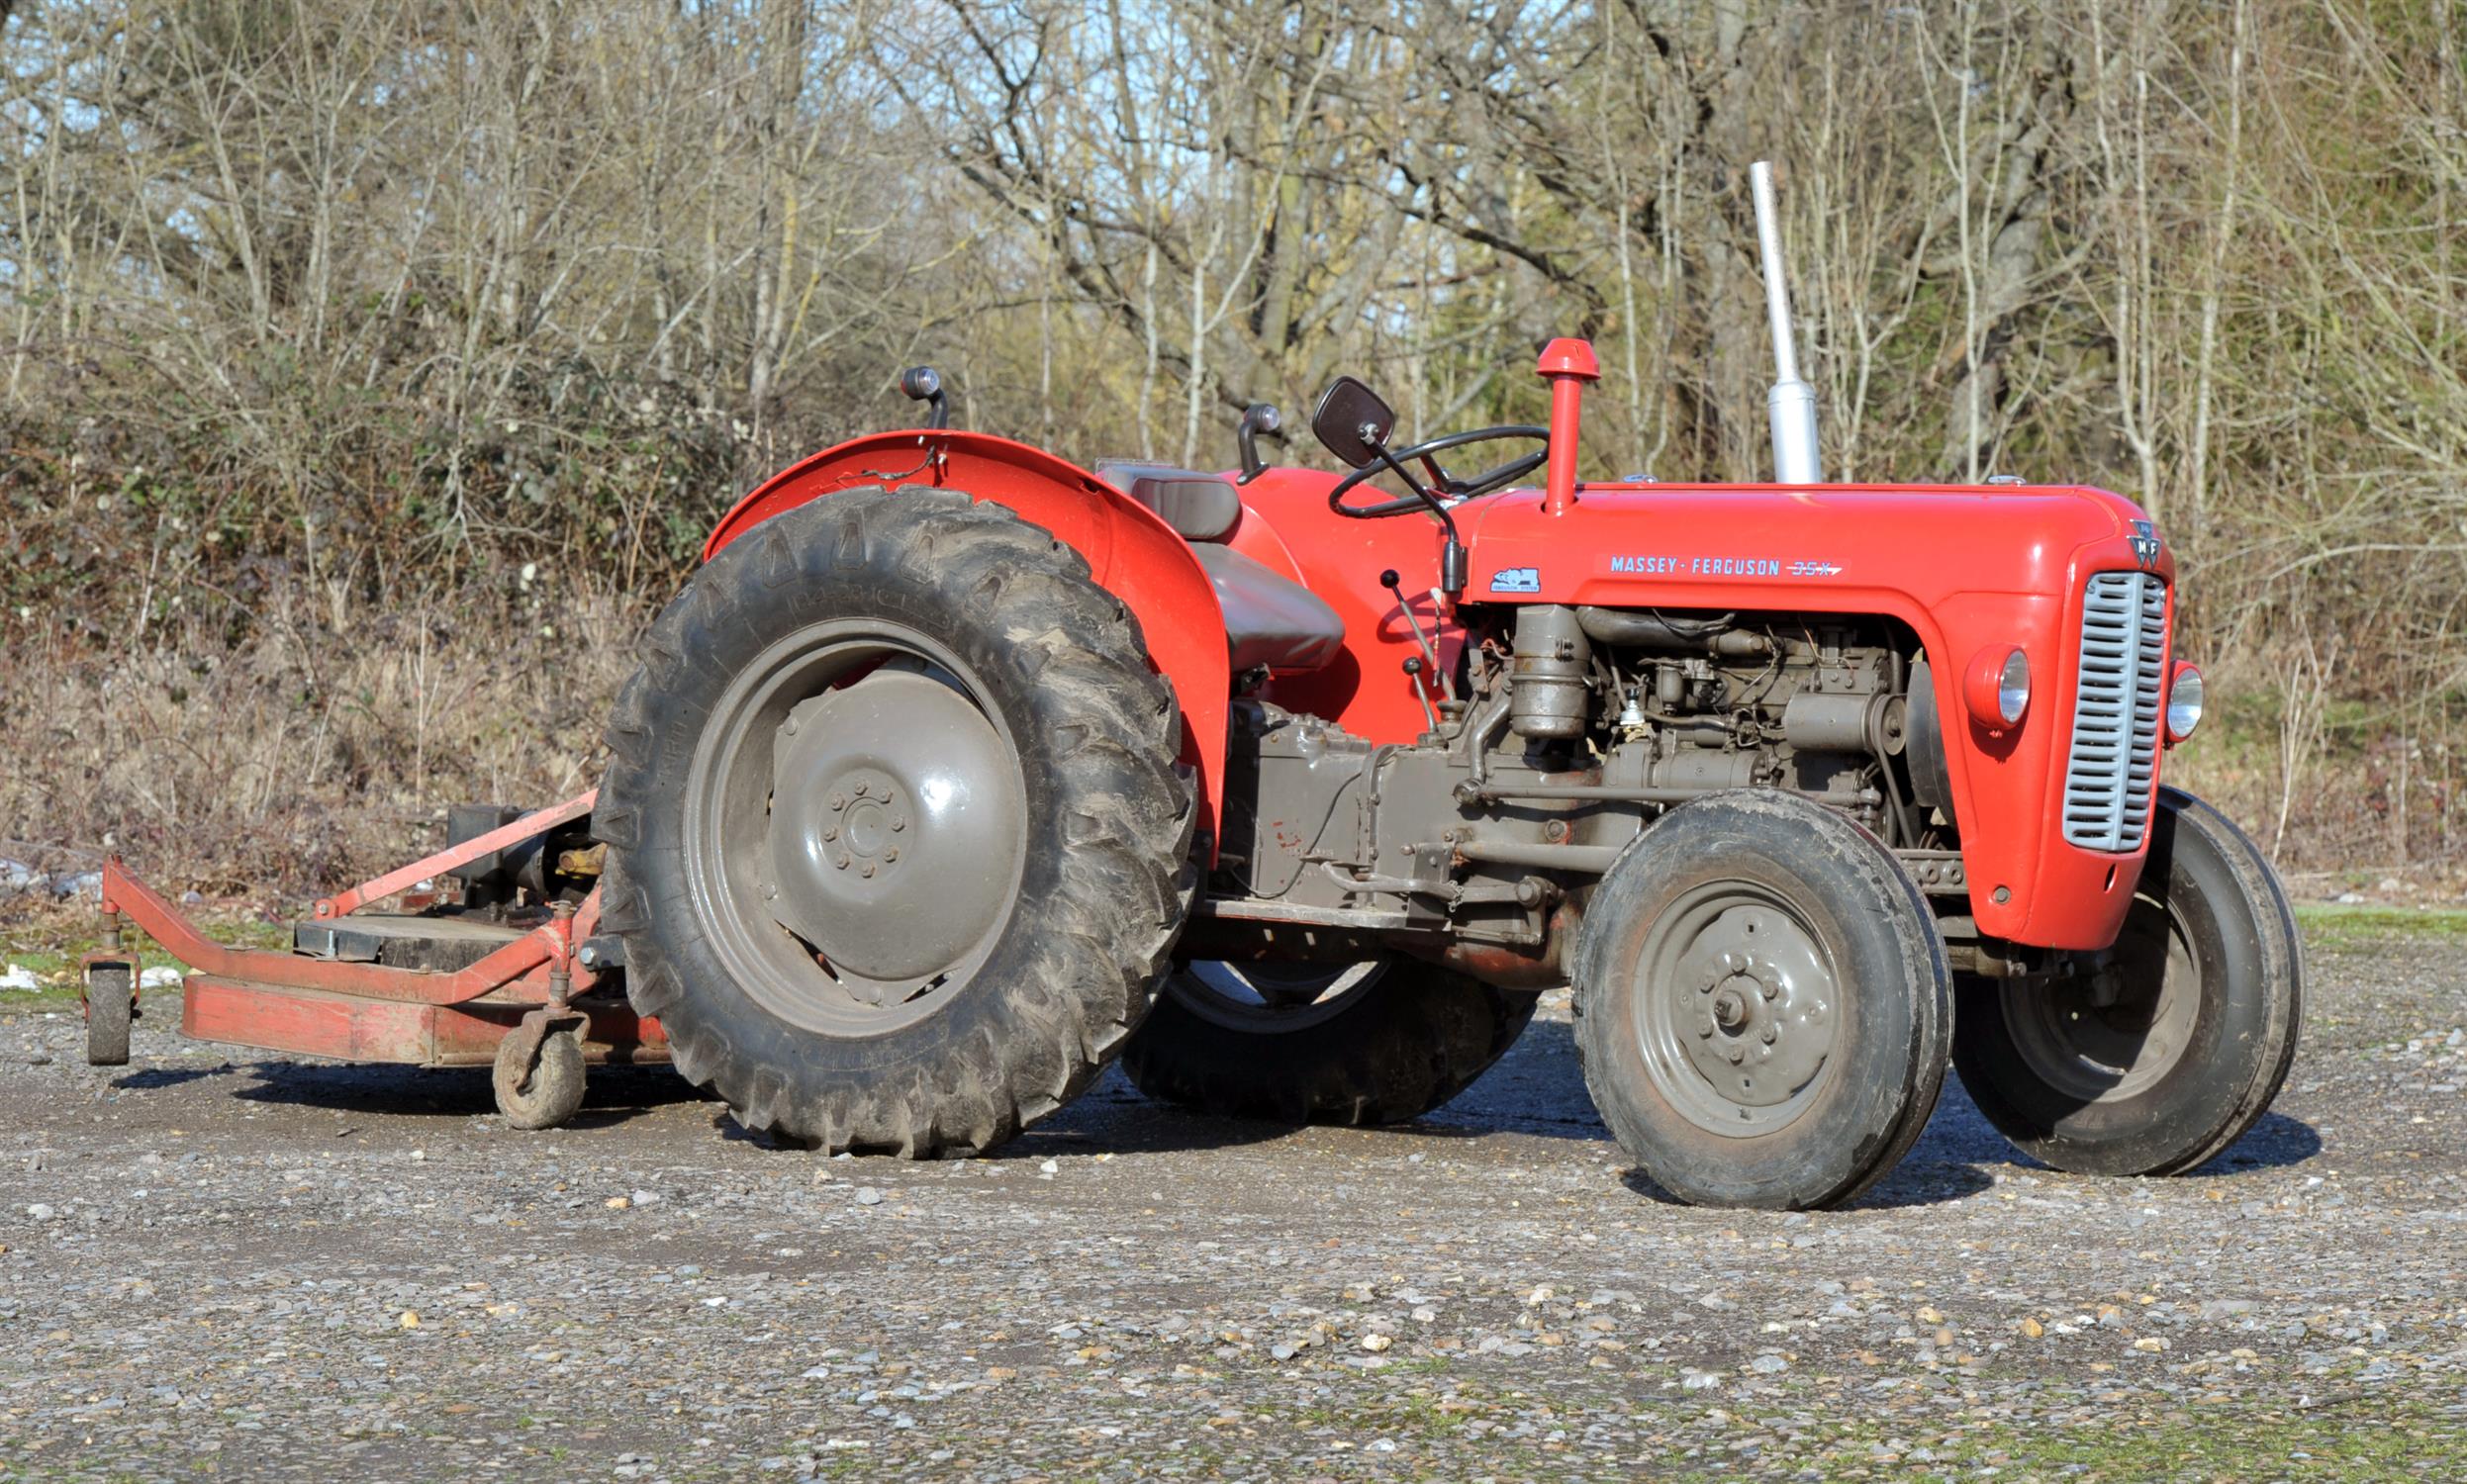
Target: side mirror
<point>1259,419</point>
<point>1353,422</point>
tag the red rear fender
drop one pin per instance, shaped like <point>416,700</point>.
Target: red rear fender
<point>1129,552</point>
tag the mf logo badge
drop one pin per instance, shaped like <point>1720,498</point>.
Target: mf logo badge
<point>1517,580</point>
<point>2145,544</point>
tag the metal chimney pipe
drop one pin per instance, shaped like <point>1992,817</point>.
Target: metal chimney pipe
<point>1791,404</point>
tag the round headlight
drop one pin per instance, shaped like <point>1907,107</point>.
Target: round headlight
<point>1998,687</point>
<point>2184,701</point>
<point>2012,687</point>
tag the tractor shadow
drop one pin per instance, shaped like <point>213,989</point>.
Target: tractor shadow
<point>613,1095</point>
<point>1537,1091</point>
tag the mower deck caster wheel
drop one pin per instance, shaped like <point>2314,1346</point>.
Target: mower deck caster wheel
<point>544,1093</point>
<point>111,1002</point>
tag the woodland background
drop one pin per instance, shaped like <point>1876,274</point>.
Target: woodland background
<point>371,371</point>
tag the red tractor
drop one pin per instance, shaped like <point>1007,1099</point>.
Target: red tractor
<point>957,769</point>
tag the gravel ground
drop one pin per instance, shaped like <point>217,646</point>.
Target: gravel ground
<point>251,1268</point>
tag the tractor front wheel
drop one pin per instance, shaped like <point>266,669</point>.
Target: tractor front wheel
<point>1377,1042</point>
<point>2160,1058</point>
<point>897,844</point>
<point>1762,1004</point>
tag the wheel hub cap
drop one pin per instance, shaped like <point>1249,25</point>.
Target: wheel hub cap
<point>1745,996</point>
<point>897,818</point>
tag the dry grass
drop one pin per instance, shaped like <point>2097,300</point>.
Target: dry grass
<point>308,755</point>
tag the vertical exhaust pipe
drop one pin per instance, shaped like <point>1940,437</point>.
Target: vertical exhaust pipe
<point>1791,404</point>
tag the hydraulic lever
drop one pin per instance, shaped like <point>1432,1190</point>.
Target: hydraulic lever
<point>1428,664</point>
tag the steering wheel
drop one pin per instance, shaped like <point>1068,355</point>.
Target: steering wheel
<point>1443,485</point>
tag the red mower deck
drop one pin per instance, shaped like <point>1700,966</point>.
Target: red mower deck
<point>443,988</point>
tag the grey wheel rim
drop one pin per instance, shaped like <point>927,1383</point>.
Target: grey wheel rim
<point>1273,996</point>
<point>856,826</point>
<point>2114,1033</point>
<point>1739,1009</point>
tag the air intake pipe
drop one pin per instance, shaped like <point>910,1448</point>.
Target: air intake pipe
<point>1791,403</point>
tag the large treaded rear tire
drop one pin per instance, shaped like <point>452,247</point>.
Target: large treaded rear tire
<point>2190,1052</point>
<point>1392,1050</point>
<point>1073,962</point>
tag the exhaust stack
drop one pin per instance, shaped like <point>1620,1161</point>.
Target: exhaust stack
<point>1791,404</point>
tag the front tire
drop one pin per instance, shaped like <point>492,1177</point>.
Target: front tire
<point>1379,1041</point>
<point>897,844</point>
<point>2157,1062</point>
<point>1764,1007</point>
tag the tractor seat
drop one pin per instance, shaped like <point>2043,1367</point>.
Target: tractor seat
<point>1199,506</point>
<point>1271,621</point>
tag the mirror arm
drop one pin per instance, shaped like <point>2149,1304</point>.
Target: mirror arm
<point>1451,562</point>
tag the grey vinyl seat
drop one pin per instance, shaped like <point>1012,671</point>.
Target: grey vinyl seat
<point>1271,621</point>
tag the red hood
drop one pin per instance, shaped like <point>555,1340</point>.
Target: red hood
<point>1700,543</point>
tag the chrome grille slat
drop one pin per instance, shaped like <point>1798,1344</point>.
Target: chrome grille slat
<point>2116,705</point>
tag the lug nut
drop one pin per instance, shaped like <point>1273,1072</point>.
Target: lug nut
<point>839,800</point>
<point>899,822</point>
<point>862,789</point>
<point>830,832</point>
<point>841,863</point>
<point>1737,1053</point>
<point>1768,1035</point>
<point>869,871</point>
<point>891,855</point>
<point>789,726</point>
<point>1773,991</point>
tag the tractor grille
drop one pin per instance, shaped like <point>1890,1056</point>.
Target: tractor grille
<point>2107,778</point>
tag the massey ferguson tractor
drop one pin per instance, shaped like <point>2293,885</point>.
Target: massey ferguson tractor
<point>957,769</point>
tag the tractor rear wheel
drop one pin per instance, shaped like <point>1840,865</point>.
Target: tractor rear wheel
<point>1377,1042</point>
<point>2160,1058</point>
<point>1764,1007</point>
<point>897,844</point>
